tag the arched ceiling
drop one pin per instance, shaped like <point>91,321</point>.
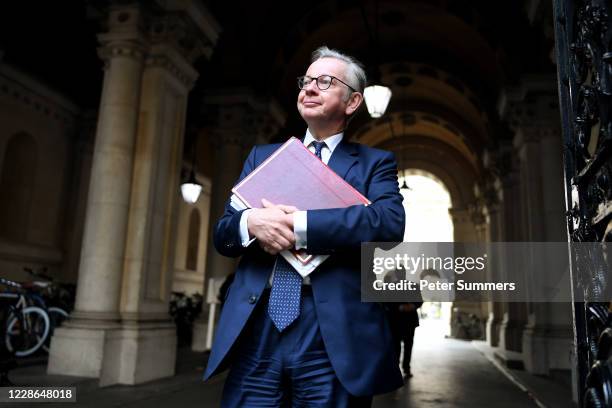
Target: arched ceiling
<point>440,159</point>
<point>408,30</point>
<point>473,47</point>
<point>399,126</point>
<point>429,102</point>
<point>439,93</point>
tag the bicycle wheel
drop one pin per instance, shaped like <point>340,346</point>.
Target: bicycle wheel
<point>56,316</point>
<point>27,331</point>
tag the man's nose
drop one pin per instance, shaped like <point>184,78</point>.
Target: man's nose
<point>311,87</point>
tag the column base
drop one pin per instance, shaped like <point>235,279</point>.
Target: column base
<point>510,359</point>
<point>79,351</point>
<point>546,349</point>
<point>510,335</point>
<point>130,354</point>
<point>492,330</point>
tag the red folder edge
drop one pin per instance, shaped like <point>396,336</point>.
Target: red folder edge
<point>299,254</point>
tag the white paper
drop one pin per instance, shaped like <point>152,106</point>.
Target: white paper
<point>237,203</point>
<point>303,270</point>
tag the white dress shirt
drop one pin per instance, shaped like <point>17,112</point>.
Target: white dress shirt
<point>299,217</point>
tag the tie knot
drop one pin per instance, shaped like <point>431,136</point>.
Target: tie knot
<point>318,147</point>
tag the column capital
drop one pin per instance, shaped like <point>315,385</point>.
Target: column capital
<point>477,212</point>
<point>532,106</point>
<point>171,34</point>
<point>459,215</point>
<point>124,35</point>
<point>167,58</point>
<point>188,26</point>
<point>112,48</point>
<point>500,160</point>
<point>179,33</point>
<point>488,191</point>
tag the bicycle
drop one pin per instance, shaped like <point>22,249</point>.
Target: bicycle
<point>27,326</point>
<point>54,300</point>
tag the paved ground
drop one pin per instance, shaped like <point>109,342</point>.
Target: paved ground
<point>452,373</point>
<point>448,374</point>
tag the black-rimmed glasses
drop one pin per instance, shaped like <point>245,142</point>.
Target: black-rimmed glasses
<point>323,82</point>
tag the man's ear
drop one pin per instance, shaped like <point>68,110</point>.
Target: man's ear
<point>353,103</point>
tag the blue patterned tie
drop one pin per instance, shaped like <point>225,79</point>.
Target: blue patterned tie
<point>284,304</point>
<point>318,147</point>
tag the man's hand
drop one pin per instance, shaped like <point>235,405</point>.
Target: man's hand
<point>272,226</point>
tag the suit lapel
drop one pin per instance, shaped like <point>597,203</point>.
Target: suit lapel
<point>345,155</point>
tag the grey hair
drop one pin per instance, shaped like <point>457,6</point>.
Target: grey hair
<point>356,76</point>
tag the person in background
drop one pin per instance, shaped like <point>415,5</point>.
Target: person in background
<point>404,319</point>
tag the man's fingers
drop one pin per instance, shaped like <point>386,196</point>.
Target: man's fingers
<point>287,235</point>
<point>273,247</point>
<point>287,208</point>
<point>282,243</point>
<point>279,242</point>
<point>266,247</point>
<point>266,203</point>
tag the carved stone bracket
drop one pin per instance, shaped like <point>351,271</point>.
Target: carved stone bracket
<point>171,35</point>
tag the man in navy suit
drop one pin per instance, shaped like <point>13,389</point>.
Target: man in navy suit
<point>294,342</point>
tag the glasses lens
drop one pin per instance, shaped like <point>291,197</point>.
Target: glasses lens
<point>324,82</point>
<point>303,81</point>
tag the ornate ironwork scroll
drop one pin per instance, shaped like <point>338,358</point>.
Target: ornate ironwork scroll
<point>583,40</point>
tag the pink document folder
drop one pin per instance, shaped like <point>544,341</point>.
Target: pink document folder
<point>293,175</point>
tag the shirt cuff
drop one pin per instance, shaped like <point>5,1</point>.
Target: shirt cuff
<point>299,229</point>
<point>244,228</point>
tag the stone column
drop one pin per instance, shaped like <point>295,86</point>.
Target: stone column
<point>239,120</point>
<point>492,196</point>
<point>547,338</point>
<point>146,349</point>
<point>514,313</point>
<point>140,186</point>
<point>466,225</point>
<point>77,348</point>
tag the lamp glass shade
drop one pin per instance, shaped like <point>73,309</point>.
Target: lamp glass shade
<point>377,98</point>
<point>191,191</point>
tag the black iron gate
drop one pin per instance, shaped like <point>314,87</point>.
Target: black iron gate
<point>583,36</point>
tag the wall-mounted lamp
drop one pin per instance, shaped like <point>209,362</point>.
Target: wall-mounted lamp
<point>190,188</point>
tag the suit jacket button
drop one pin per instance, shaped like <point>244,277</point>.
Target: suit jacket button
<point>252,299</point>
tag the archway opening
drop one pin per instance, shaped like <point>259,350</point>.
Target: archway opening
<point>426,202</point>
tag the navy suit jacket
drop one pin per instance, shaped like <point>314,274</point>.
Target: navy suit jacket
<point>356,334</point>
